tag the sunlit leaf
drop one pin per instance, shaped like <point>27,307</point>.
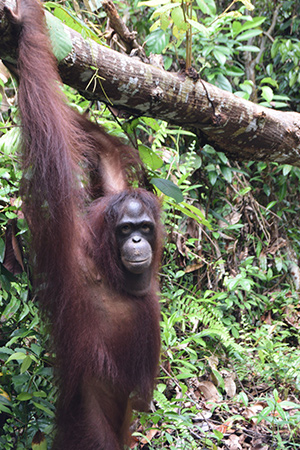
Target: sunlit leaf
<point>150,158</point>
<point>177,16</point>
<point>220,56</point>
<point>157,41</point>
<point>153,3</point>
<point>207,7</point>
<point>201,28</point>
<point>248,48</point>
<point>267,93</point>
<point>247,4</point>
<point>165,8</point>
<point>248,34</point>
<point>71,20</point>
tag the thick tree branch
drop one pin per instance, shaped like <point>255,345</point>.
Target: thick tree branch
<point>243,130</point>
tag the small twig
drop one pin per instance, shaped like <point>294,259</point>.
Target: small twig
<point>115,22</point>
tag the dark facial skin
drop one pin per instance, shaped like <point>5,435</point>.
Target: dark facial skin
<point>136,236</point>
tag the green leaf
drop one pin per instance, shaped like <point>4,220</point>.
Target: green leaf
<point>248,34</point>
<point>267,93</point>
<point>40,394</point>
<point>275,48</point>
<point>26,364</point>
<point>207,7</point>
<point>247,87</point>
<point>168,188</point>
<point>24,396</point>
<point>11,215</point>
<point>248,48</point>
<point>271,204</point>
<point>198,213</point>
<point>219,377</point>
<point>220,57</point>
<point>278,264</point>
<point>61,41</point>
<point>286,169</point>
<point>223,83</point>
<point>6,351</point>
<point>153,3</point>
<point>72,21</point>
<point>11,308</point>
<point>188,213</point>
<point>233,71</point>
<point>246,284</point>
<point>212,176</point>
<point>201,28</point>
<point>178,17</point>
<point>5,409</point>
<point>270,81</point>
<point>289,405</point>
<point>222,157</point>
<point>150,158</point>
<point>247,4</point>
<point>18,356</point>
<point>24,312</point>
<point>195,162</point>
<point>253,23</point>
<point>157,41</point>
<point>227,173</point>
<point>218,434</point>
<point>164,22</point>
<point>164,9</point>
<point>10,141</point>
<point>44,408</point>
<point>281,97</point>
<point>243,397</point>
<point>245,191</point>
<point>235,332</point>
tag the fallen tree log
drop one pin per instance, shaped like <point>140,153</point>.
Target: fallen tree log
<point>241,129</point>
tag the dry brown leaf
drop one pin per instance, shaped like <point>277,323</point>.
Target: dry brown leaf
<point>202,415</point>
<point>230,386</point>
<point>258,445</point>
<point>193,267</point>
<point>225,427</point>
<point>252,411</point>
<point>209,391</point>
<point>233,442</point>
<point>213,361</point>
<point>232,218</point>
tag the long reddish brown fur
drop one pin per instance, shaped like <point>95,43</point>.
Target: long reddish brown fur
<point>95,368</point>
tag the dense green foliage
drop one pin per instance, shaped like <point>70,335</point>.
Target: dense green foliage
<point>230,363</point>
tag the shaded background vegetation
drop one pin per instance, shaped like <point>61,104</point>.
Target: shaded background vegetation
<point>230,367</point>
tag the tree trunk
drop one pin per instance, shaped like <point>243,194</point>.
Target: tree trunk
<point>241,129</point>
